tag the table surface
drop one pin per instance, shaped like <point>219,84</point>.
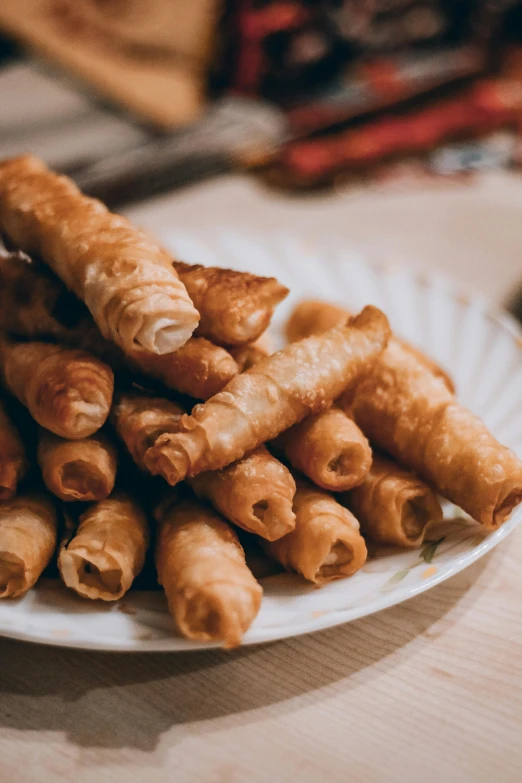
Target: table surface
<point>430,690</point>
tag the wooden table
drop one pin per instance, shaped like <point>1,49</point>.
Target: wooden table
<point>428,691</point>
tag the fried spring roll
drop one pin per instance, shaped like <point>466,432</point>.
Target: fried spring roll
<point>199,369</point>
<point>77,469</point>
<point>255,493</point>
<point>66,391</point>
<point>28,528</point>
<point>126,280</point>
<point>315,317</point>
<point>212,594</point>
<point>392,505</point>
<point>326,543</point>
<point>30,297</point>
<point>35,303</point>
<point>329,448</point>
<point>108,550</point>
<point>139,418</point>
<point>13,459</point>
<point>302,379</point>
<point>235,307</point>
<point>410,414</point>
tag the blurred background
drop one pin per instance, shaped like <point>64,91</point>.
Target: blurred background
<point>310,98</point>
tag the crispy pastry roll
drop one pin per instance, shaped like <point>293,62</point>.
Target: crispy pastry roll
<point>212,594</point>
<point>409,413</point>
<point>126,280</point>
<point>326,543</point>
<point>392,505</point>
<point>108,550</point>
<point>302,379</point>
<point>315,317</point>
<point>199,369</point>
<point>329,448</point>
<point>66,391</point>
<point>30,297</point>
<point>34,302</point>
<point>77,469</point>
<point>139,419</point>
<point>28,528</point>
<point>13,459</point>
<point>235,307</point>
<point>255,493</point>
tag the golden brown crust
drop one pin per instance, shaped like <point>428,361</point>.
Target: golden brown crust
<point>393,506</point>
<point>255,493</point>
<point>398,403</point>
<point>138,419</point>
<point>66,391</point>
<point>31,298</point>
<point>199,368</point>
<point>125,278</point>
<point>430,365</point>
<point>77,469</point>
<point>302,379</point>
<point>211,592</point>
<point>315,317</point>
<point>329,448</point>
<point>13,459</point>
<point>235,307</point>
<point>108,550</point>
<point>409,413</point>
<point>326,543</point>
<point>28,527</point>
<point>35,303</point>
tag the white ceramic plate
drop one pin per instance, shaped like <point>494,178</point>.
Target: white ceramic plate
<point>481,348</point>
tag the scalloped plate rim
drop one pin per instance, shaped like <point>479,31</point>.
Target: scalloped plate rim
<point>321,620</point>
<point>328,619</point>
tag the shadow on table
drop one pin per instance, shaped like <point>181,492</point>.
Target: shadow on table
<point>122,700</point>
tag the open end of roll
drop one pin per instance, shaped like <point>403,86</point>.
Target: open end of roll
<point>272,517</point>
<point>220,613</point>
<point>86,418</point>
<point>344,470</point>
<point>342,464</point>
<point>260,509</point>
<point>167,459</point>
<point>347,468</point>
<point>81,480</point>
<point>12,575</point>
<point>202,620</point>
<point>339,556</point>
<point>416,514</point>
<point>166,334</point>
<point>106,582</point>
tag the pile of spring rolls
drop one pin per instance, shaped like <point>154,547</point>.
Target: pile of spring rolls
<point>158,414</point>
